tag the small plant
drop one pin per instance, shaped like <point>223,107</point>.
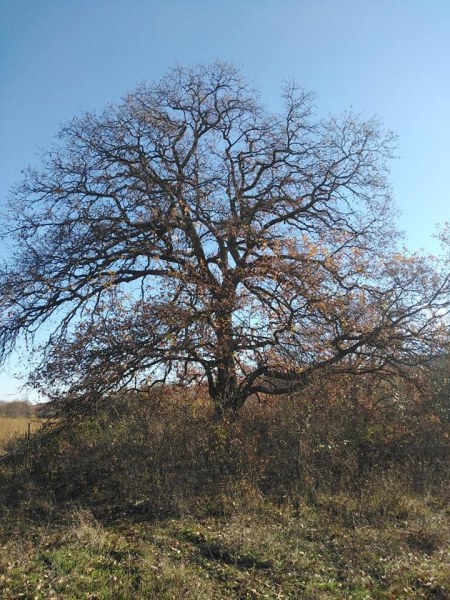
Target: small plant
<point>88,531</point>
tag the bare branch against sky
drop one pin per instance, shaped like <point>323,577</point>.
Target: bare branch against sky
<point>386,58</point>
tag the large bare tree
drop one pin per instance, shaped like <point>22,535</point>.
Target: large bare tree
<point>188,234</point>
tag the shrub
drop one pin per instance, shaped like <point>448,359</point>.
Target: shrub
<point>162,454</point>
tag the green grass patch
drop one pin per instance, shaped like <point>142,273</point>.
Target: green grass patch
<point>270,552</point>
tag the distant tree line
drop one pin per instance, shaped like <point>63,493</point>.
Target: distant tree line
<point>17,408</point>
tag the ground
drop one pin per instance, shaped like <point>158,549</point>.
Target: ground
<point>268,552</point>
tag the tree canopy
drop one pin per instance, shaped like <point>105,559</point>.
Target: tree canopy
<point>190,235</point>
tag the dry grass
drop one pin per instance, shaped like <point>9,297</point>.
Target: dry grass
<point>263,552</point>
<point>14,427</point>
<point>151,500</point>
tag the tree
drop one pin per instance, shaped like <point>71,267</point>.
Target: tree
<point>189,235</point>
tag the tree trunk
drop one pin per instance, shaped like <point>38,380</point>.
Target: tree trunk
<point>228,399</point>
<point>227,407</point>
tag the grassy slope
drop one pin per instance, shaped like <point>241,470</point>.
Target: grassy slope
<point>266,552</point>
<point>379,541</point>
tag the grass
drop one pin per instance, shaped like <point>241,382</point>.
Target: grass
<point>152,501</point>
<point>265,552</point>
<point>13,427</point>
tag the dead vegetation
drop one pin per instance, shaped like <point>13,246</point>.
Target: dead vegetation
<point>332,495</point>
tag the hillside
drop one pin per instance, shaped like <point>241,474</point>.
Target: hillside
<point>331,496</point>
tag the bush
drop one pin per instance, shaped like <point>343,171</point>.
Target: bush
<point>162,454</point>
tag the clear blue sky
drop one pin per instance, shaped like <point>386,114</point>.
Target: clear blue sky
<point>385,57</point>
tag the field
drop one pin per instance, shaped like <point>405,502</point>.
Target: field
<point>13,427</point>
<point>150,500</point>
<point>267,552</point>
